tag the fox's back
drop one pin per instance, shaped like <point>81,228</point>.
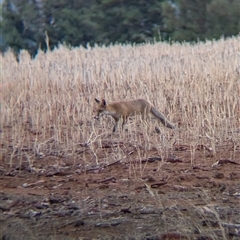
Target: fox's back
<point>130,107</point>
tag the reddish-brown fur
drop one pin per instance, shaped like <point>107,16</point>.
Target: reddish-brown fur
<point>128,108</point>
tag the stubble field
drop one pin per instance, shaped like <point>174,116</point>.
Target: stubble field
<point>64,175</point>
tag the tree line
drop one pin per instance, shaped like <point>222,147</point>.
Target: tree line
<point>25,24</point>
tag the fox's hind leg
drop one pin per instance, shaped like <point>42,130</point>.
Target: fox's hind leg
<point>145,118</point>
<point>145,115</point>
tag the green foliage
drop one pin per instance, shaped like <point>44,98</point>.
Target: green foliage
<point>192,20</point>
<point>12,28</point>
<point>80,22</point>
<point>129,21</point>
<point>223,18</point>
<point>22,25</point>
<point>71,23</point>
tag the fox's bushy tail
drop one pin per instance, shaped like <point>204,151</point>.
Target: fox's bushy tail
<point>162,118</point>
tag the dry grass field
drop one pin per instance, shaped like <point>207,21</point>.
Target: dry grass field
<point>65,175</point>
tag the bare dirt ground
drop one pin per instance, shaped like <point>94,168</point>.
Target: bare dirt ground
<point>61,198</point>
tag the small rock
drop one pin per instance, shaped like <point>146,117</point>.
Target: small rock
<point>78,223</point>
<point>219,175</point>
<point>25,185</point>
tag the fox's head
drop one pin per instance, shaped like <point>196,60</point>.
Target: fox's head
<point>101,108</point>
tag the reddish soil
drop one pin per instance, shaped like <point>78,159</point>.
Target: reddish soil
<point>64,198</point>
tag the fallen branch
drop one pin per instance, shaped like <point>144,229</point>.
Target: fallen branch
<point>224,161</point>
<point>230,225</point>
<point>113,179</point>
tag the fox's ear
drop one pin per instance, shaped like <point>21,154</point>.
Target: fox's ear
<point>97,100</point>
<point>104,102</point>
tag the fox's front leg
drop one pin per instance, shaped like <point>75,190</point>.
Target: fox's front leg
<point>116,124</point>
<point>124,121</point>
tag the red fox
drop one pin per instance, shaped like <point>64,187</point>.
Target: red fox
<point>125,109</point>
